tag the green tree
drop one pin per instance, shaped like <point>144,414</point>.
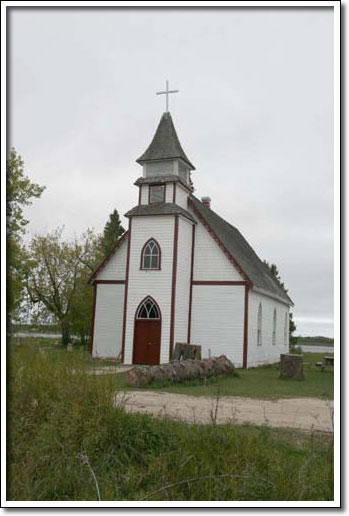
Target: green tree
<point>292,329</point>
<point>82,304</point>
<point>113,230</point>
<point>276,275</point>
<point>56,278</point>
<point>20,192</point>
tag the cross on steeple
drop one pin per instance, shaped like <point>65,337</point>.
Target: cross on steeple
<point>166,92</point>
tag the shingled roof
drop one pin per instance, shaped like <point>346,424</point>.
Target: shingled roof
<point>165,144</point>
<point>240,250</point>
<point>162,179</point>
<point>167,208</point>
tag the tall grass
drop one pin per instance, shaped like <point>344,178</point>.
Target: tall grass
<point>68,442</point>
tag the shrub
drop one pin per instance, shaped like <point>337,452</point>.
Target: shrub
<point>296,350</point>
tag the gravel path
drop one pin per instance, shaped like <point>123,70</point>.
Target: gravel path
<point>300,413</point>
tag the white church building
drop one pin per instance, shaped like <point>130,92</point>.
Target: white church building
<point>181,273</point>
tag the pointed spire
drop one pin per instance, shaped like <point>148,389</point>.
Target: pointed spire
<point>165,144</point>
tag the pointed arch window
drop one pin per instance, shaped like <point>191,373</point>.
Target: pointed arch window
<point>274,327</point>
<point>259,326</point>
<point>148,309</point>
<point>285,329</point>
<point>151,255</point>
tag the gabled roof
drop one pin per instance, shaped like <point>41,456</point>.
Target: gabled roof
<point>107,258</point>
<point>240,251</point>
<point>165,144</point>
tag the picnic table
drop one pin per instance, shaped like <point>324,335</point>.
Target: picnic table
<point>326,362</point>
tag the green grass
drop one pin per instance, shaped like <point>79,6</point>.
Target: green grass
<point>66,440</point>
<point>258,382</point>
<point>57,351</point>
<point>315,341</point>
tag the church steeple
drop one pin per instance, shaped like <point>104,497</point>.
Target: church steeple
<point>165,145</point>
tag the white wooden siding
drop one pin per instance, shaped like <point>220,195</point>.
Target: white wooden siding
<point>157,283</point>
<point>181,196</point>
<point>218,320</point>
<point>267,352</point>
<point>144,194</point>
<point>183,280</point>
<point>108,321</point>
<point>183,171</point>
<point>169,192</point>
<point>160,168</point>
<point>115,269</point>
<point>210,263</point>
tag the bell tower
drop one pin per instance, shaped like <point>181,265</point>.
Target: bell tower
<point>161,236</point>
<point>165,166</point>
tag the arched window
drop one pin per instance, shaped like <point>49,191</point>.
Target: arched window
<point>259,327</point>
<point>274,327</point>
<point>151,255</point>
<point>286,329</point>
<point>148,309</point>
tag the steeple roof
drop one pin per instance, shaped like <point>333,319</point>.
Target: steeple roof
<point>165,144</point>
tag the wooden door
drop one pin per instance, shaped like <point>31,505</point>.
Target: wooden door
<point>147,334</point>
<point>146,347</point>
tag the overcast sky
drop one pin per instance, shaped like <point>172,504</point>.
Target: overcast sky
<point>254,114</point>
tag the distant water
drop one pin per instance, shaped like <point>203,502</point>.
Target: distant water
<point>309,349</point>
<point>317,349</point>
<point>38,335</point>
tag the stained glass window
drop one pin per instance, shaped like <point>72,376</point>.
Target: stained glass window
<point>148,310</point>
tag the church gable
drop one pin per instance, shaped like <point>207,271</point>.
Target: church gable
<point>113,266</point>
<point>210,262</point>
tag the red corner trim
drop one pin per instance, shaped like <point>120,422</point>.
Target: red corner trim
<point>93,317</point>
<point>126,292</point>
<point>174,280</point>
<point>191,283</point>
<point>219,283</point>
<point>244,360</point>
<point>109,282</point>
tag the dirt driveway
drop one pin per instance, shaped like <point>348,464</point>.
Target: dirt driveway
<point>301,413</point>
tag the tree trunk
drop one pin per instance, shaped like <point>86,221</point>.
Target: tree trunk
<point>178,371</point>
<point>65,331</point>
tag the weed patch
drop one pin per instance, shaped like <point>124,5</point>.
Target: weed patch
<point>68,442</point>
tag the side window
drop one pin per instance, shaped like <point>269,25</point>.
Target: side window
<point>150,259</point>
<point>259,326</point>
<point>274,327</point>
<point>156,193</point>
<point>286,329</point>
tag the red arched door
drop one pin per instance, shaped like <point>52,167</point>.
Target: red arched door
<point>147,334</point>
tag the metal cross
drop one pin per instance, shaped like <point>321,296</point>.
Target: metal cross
<point>166,92</point>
